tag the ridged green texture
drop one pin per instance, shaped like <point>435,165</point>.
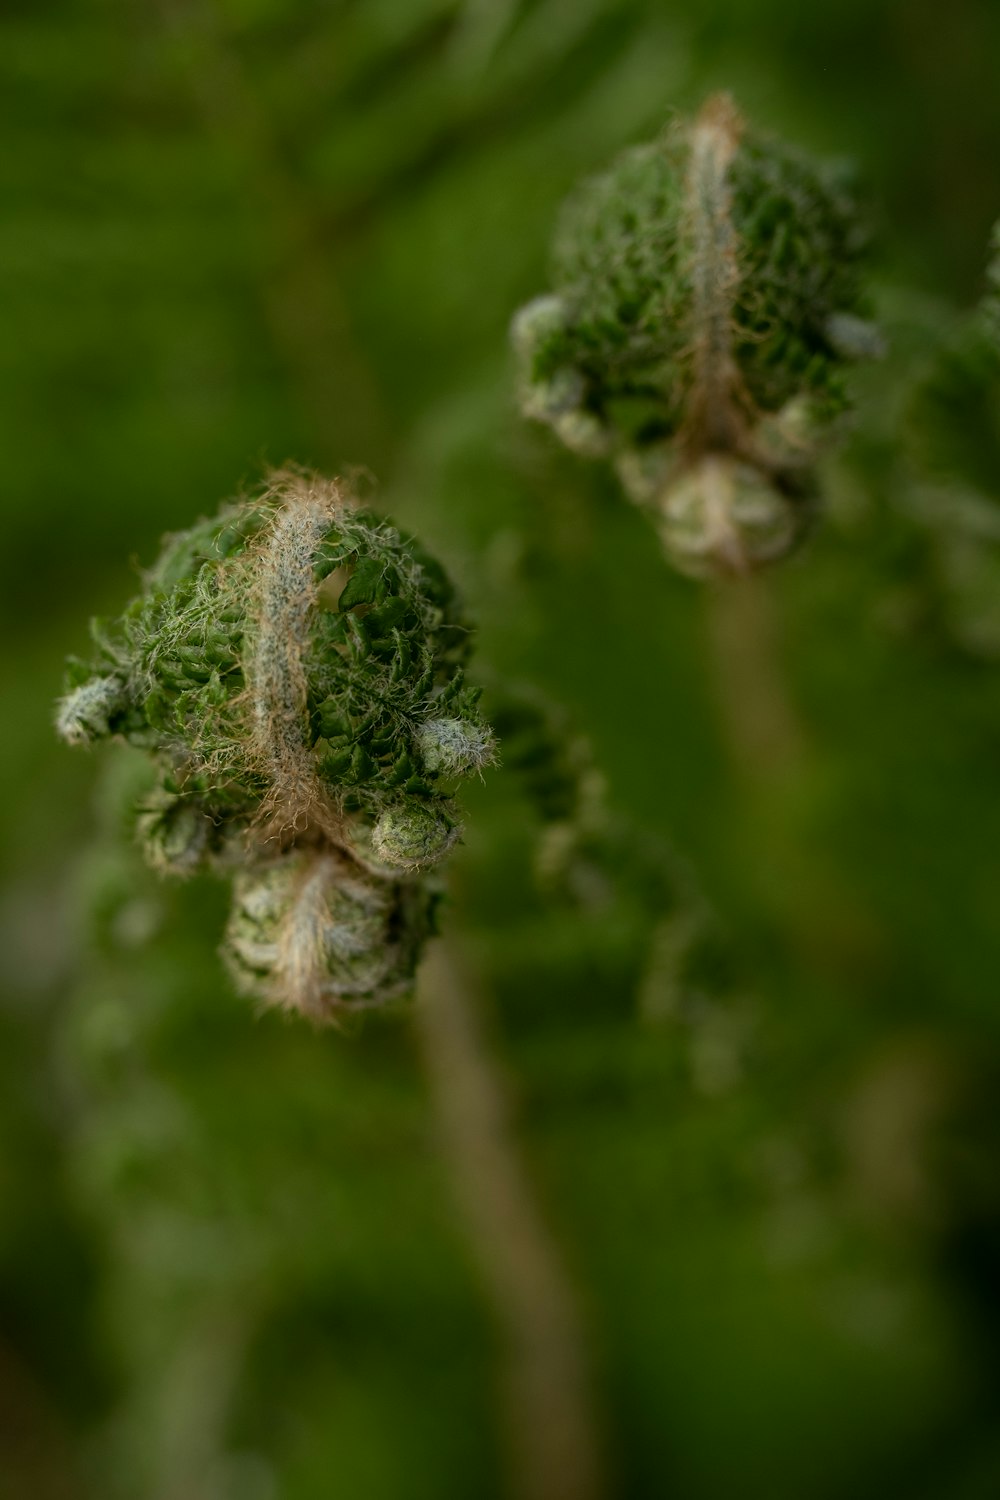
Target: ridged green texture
<point>800,243</point>
<point>617,268</point>
<point>706,300</point>
<point>296,667</point>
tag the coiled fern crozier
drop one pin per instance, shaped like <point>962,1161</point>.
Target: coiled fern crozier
<point>295,667</point>
<point>706,300</point>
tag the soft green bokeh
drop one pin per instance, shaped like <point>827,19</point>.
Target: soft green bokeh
<point>251,231</point>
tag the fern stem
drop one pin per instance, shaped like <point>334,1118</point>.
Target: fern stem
<point>764,735</point>
<point>714,422</point>
<point>552,1424</point>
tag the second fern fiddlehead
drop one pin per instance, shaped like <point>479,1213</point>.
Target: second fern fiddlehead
<point>706,300</point>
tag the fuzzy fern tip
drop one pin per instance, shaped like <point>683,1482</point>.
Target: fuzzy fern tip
<point>706,300</point>
<point>295,667</point>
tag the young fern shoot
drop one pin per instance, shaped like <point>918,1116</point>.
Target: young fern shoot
<point>706,301</point>
<point>295,667</point>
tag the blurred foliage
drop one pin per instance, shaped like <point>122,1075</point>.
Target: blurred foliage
<point>247,231</point>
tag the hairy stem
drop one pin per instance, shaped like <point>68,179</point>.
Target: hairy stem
<point>301,964</point>
<point>549,1406</point>
<point>715,421</point>
<point>284,597</point>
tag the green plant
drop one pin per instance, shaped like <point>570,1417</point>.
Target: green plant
<point>295,667</point>
<point>707,299</point>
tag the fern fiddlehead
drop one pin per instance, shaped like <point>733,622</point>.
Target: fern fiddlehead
<point>295,667</point>
<point>706,301</point>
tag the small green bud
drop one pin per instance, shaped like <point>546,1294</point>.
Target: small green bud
<point>790,440</point>
<point>555,394</point>
<point>854,338</point>
<point>455,747</point>
<point>86,712</point>
<point>722,516</point>
<point>175,834</point>
<point>409,836</point>
<point>536,324</point>
<point>311,933</point>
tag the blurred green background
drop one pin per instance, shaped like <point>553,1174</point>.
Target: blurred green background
<point>248,231</point>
